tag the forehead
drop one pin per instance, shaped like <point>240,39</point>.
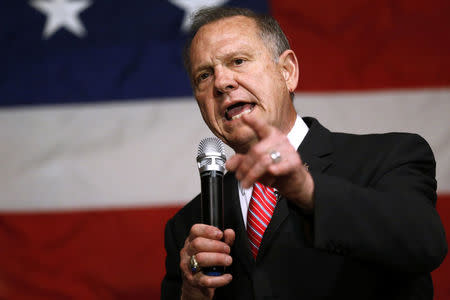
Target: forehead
<point>225,34</point>
<point>235,24</point>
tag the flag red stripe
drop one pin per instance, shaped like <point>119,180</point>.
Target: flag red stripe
<point>357,45</point>
<point>110,254</point>
<point>78,254</point>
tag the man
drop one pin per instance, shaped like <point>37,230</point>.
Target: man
<point>354,216</point>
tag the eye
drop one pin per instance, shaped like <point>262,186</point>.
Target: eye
<point>238,61</point>
<point>202,76</point>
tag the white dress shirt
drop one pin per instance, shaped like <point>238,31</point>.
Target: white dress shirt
<point>295,137</point>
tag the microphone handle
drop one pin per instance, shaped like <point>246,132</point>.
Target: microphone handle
<point>212,208</point>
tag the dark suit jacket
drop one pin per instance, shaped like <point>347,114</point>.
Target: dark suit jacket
<point>374,233</point>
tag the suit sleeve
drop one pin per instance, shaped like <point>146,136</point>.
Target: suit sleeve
<point>392,220</point>
<point>171,284</point>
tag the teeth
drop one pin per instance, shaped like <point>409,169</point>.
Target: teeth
<point>241,114</point>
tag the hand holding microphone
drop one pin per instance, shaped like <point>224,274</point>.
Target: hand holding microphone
<point>211,165</point>
<point>206,251</point>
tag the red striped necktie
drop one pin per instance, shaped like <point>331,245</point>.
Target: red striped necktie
<point>260,211</point>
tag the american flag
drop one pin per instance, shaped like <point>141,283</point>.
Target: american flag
<point>99,127</point>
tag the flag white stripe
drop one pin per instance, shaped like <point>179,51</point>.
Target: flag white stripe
<point>135,154</point>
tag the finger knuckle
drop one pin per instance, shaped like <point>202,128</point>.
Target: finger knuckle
<point>204,281</point>
<point>200,257</point>
<point>243,167</point>
<point>274,169</point>
<point>256,174</point>
<point>213,233</point>
<point>215,245</point>
<point>266,160</point>
<point>253,173</point>
<point>258,149</point>
<point>194,230</point>
<point>195,245</point>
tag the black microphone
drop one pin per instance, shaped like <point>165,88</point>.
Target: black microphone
<point>211,165</point>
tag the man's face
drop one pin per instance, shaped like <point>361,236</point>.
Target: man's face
<point>234,73</point>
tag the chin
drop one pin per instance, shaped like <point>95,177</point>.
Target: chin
<point>242,142</point>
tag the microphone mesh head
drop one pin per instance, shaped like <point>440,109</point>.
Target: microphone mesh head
<point>211,144</point>
<point>211,155</point>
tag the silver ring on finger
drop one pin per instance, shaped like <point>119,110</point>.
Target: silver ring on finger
<point>275,156</point>
<point>195,268</point>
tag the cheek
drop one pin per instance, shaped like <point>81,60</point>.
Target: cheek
<point>202,106</point>
<point>268,81</point>
<point>208,112</point>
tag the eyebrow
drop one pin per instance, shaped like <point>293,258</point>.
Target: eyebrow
<point>226,56</point>
<point>200,68</point>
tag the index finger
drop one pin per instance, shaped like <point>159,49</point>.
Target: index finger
<point>206,231</point>
<point>261,128</point>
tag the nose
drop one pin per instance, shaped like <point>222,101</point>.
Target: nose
<point>224,81</point>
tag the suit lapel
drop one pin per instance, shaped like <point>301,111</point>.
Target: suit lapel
<point>315,150</point>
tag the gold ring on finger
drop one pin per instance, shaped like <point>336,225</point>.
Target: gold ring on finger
<point>195,268</point>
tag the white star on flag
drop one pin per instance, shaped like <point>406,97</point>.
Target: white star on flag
<point>62,14</point>
<point>191,6</point>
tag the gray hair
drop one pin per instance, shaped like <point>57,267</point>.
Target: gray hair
<point>269,29</point>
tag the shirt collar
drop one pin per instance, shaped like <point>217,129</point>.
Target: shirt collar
<point>297,133</point>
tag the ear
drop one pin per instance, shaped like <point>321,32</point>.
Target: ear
<point>289,69</point>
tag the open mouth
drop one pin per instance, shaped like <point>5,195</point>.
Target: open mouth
<point>237,110</point>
